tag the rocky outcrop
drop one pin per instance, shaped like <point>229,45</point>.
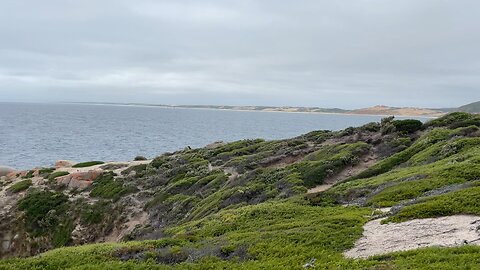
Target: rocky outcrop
<point>447,231</point>
<point>64,164</point>
<point>4,170</point>
<point>80,180</point>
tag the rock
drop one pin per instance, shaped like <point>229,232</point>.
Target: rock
<point>64,164</point>
<point>215,145</point>
<point>82,235</point>
<point>4,170</point>
<point>140,158</point>
<point>80,180</point>
<point>12,175</point>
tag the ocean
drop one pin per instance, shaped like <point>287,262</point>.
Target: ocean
<point>34,135</point>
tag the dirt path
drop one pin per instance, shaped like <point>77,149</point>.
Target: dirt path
<point>233,173</point>
<point>320,188</point>
<point>365,163</point>
<point>449,231</point>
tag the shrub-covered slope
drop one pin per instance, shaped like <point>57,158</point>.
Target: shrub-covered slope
<point>245,204</point>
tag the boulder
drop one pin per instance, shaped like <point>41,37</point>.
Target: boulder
<point>80,180</point>
<point>4,170</point>
<point>64,164</point>
<point>215,145</point>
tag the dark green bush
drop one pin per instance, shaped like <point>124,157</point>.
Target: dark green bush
<point>29,174</point>
<point>407,126</point>
<point>43,211</point>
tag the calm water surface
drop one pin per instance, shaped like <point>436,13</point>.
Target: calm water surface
<point>34,135</point>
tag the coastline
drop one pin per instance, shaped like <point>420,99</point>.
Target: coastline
<point>248,110</point>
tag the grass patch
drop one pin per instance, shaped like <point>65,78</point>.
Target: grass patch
<point>54,175</point>
<point>465,201</point>
<point>20,186</point>
<point>88,164</point>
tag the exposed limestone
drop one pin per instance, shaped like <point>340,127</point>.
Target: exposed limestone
<point>443,232</point>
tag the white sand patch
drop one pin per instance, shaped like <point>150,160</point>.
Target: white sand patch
<point>319,188</point>
<point>449,231</point>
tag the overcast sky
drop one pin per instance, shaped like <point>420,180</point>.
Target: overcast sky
<point>239,52</point>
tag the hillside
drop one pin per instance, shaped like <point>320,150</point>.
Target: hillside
<point>392,195</point>
<point>470,108</point>
<point>404,111</point>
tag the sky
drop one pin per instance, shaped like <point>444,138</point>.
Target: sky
<point>347,54</point>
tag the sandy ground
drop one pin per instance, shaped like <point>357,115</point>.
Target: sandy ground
<point>97,167</point>
<point>449,231</point>
<point>320,188</point>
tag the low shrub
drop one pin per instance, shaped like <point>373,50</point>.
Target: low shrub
<point>87,164</point>
<point>407,126</point>
<point>20,186</point>
<point>54,175</point>
<point>105,186</point>
<point>43,211</point>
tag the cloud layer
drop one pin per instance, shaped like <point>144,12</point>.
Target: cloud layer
<point>310,53</point>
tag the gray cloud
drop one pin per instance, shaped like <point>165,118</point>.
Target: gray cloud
<point>270,52</point>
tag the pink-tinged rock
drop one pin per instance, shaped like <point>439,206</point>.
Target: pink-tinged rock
<point>22,173</point>
<point>12,175</point>
<point>5,171</point>
<point>64,164</point>
<point>80,180</point>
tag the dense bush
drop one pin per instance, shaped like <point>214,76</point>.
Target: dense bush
<point>46,213</point>
<point>407,126</point>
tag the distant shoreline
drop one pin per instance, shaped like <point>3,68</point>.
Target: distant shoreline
<point>250,109</point>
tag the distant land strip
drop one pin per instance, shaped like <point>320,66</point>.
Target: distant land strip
<point>379,110</point>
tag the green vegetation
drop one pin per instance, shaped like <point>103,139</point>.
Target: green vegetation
<point>399,158</point>
<point>46,215</point>
<point>242,205</point>
<point>470,108</point>
<point>281,235</point>
<point>87,164</point>
<point>54,175</point>
<point>407,126</point>
<point>105,186</point>
<point>20,186</point>
<point>465,201</point>
<point>29,174</point>
<point>455,120</point>
<point>330,160</point>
